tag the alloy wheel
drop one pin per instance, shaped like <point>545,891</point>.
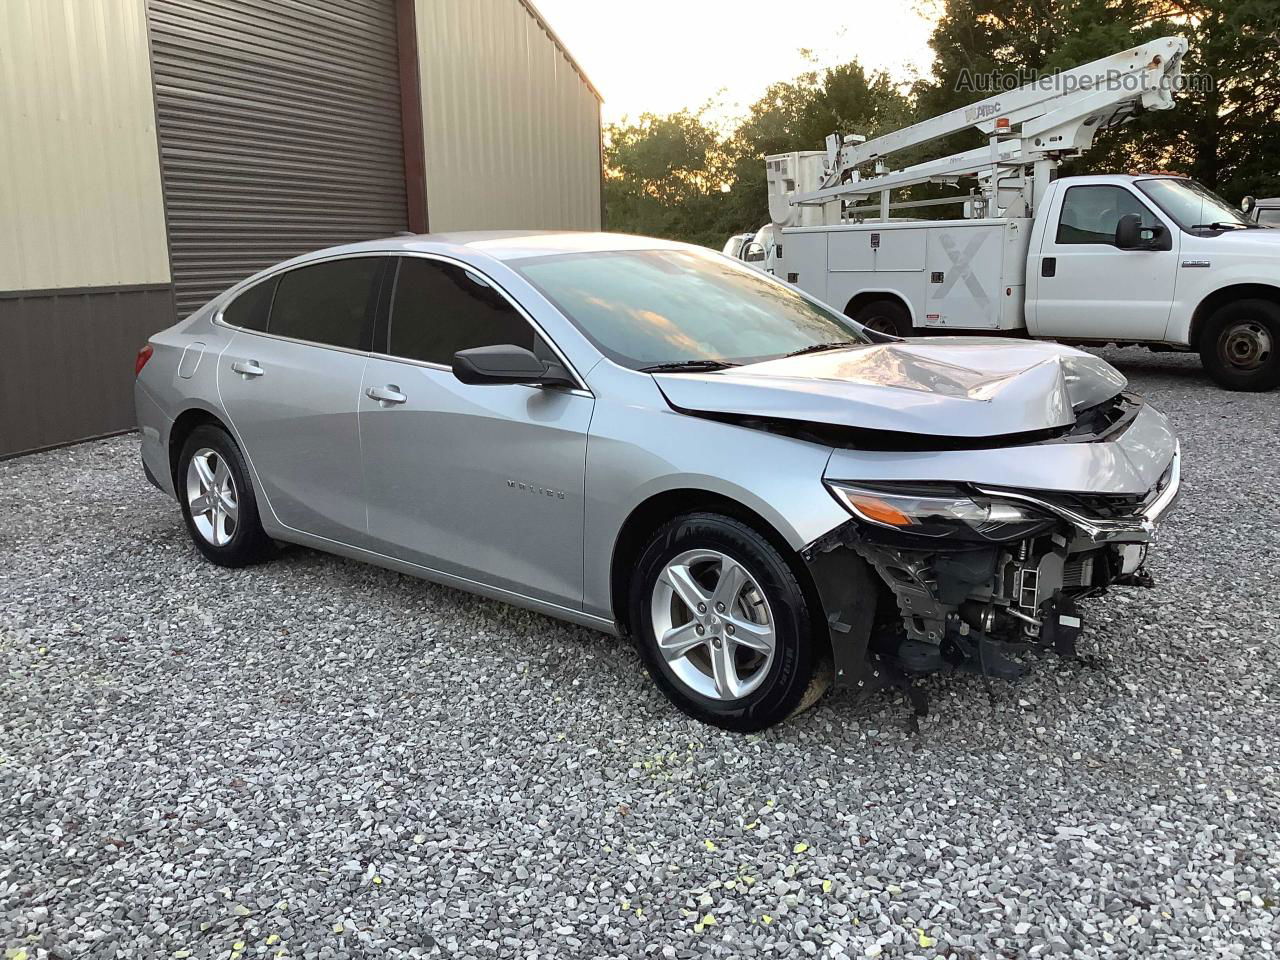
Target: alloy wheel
<point>212,497</point>
<point>713,625</point>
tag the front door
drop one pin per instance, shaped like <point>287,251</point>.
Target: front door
<point>482,482</point>
<point>1083,285</point>
<point>290,383</point>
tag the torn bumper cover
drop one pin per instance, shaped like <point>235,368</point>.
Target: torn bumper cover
<point>968,570</point>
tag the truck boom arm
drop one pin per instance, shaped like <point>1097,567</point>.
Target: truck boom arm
<point>1035,125</point>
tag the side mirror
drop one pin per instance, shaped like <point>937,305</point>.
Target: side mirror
<point>1247,205</point>
<point>1128,232</point>
<point>507,363</point>
<point>1132,235</point>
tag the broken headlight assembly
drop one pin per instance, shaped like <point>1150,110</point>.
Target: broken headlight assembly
<point>928,510</point>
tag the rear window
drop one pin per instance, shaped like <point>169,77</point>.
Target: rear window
<point>330,303</point>
<point>250,309</point>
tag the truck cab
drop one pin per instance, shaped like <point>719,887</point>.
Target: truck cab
<point>1161,261</point>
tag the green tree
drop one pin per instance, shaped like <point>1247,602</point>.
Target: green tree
<point>1225,129</point>
<point>799,114</point>
<point>675,176</point>
<point>666,176</point>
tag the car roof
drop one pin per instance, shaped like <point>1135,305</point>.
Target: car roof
<point>504,244</point>
<point>1118,178</point>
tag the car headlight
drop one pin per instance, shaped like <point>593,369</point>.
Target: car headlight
<point>937,512</point>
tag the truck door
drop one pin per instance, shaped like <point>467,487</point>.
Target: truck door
<point>1082,285</point>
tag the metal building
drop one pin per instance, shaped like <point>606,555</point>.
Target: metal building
<point>157,151</point>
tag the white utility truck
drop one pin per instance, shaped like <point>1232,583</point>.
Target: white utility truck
<point>1265,211</point>
<point>1149,259</point>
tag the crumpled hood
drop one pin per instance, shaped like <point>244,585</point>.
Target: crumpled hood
<point>938,386</point>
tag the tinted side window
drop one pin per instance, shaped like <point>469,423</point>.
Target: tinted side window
<point>250,309</point>
<point>1090,214</point>
<point>439,309</point>
<point>1269,216</point>
<point>330,303</point>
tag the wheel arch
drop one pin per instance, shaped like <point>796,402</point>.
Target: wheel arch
<point>183,426</point>
<point>662,507</point>
<point>864,297</point>
<point>1220,298</point>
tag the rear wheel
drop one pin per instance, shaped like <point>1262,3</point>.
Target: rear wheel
<point>1240,345</point>
<point>218,502</point>
<point>886,316</point>
<point>723,625</point>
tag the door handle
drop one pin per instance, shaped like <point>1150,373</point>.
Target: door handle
<point>247,368</point>
<point>388,394</point>
<point>1048,266</point>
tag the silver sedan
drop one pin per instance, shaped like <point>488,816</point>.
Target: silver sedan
<point>650,439</point>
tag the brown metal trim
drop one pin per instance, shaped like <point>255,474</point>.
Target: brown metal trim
<point>67,443</point>
<point>415,167</point>
<point>83,291</point>
<point>155,121</point>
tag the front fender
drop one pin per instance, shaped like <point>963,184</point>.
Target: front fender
<point>1197,284</point>
<point>639,447</point>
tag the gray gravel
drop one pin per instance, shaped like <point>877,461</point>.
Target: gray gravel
<point>317,758</point>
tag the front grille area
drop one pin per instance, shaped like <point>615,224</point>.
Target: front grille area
<point>1103,421</point>
<point>1078,570</point>
<point>1113,506</point>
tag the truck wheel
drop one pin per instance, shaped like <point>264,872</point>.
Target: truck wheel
<point>886,316</point>
<point>1240,346</point>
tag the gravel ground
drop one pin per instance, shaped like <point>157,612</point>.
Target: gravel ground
<point>316,758</point>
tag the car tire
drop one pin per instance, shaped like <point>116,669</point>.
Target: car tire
<point>725,678</point>
<point>230,532</point>
<point>1240,346</point>
<point>886,316</point>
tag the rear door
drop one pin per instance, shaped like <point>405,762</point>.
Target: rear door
<point>482,482</point>
<point>290,382</point>
<point>1083,285</point>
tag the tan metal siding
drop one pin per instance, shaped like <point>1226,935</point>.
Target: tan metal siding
<point>80,198</point>
<point>510,127</point>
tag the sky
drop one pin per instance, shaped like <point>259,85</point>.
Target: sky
<point>662,55</point>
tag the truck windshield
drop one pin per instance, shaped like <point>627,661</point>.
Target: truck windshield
<point>647,308</point>
<point>1193,206</point>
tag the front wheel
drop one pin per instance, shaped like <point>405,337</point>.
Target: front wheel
<point>722,624</point>
<point>1240,346</point>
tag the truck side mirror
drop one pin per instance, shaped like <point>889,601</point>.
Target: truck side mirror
<point>1132,235</point>
<point>1128,232</point>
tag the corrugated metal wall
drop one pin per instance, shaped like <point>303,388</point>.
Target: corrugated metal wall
<point>279,132</point>
<point>79,182</point>
<point>511,128</point>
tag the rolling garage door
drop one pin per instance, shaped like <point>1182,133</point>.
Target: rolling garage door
<point>280,132</point>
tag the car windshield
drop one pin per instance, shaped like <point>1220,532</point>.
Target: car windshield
<point>645,308</point>
<point>1192,205</point>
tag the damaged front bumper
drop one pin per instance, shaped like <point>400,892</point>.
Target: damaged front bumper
<point>965,602</point>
